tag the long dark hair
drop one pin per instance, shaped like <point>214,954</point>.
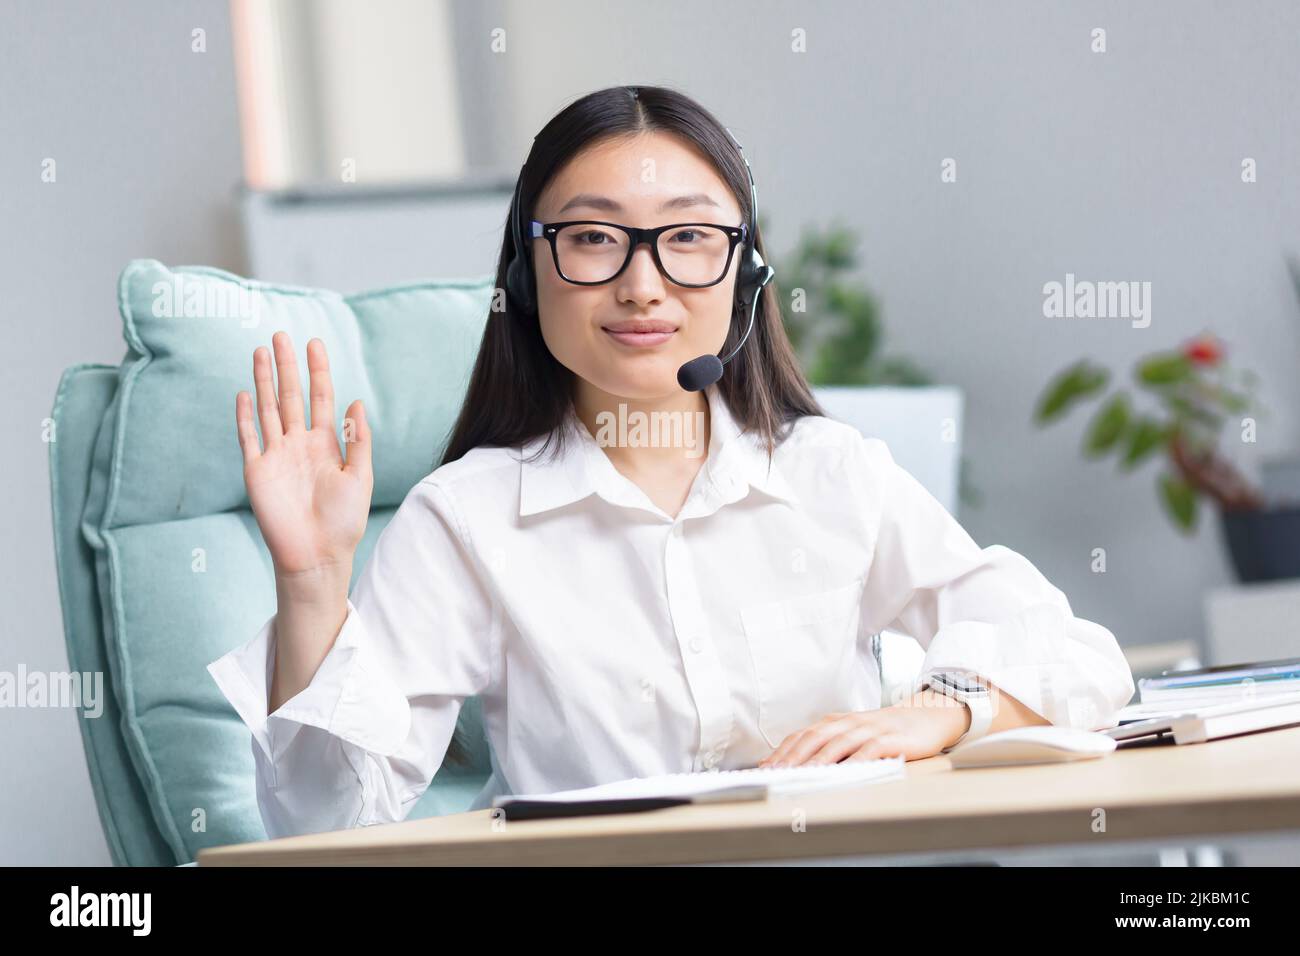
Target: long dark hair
<point>519,391</point>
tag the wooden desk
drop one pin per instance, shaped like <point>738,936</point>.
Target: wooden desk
<point>1231,786</point>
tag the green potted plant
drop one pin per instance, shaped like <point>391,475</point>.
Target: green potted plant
<point>835,326</point>
<point>1192,397</point>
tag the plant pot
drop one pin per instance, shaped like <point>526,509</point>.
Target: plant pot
<point>1264,544</point>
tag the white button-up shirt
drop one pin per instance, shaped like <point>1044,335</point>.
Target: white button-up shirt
<point>607,639</point>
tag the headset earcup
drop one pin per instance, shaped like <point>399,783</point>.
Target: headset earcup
<point>519,279</point>
<point>754,274</point>
<point>519,285</point>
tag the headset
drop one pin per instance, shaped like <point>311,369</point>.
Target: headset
<point>753,276</point>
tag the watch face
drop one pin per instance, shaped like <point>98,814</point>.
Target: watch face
<point>960,682</point>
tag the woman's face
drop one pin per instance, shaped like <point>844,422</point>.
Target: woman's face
<point>651,179</point>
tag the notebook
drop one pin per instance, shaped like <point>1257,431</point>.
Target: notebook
<point>677,789</point>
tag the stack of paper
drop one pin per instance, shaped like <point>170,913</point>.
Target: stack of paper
<point>1221,684</point>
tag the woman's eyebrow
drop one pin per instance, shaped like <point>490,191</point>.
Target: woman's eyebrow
<point>604,202</point>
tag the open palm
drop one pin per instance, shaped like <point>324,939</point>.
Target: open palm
<point>310,504</point>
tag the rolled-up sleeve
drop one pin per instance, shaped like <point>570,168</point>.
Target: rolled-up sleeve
<point>360,743</point>
<point>985,610</point>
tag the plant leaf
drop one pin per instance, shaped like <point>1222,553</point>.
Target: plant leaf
<point>1107,425</point>
<point>1164,369</point>
<point>1143,437</point>
<point>1180,501</point>
<point>1080,380</point>
<point>1234,402</point>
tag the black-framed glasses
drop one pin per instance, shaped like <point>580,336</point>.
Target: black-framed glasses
<point>591,252</point>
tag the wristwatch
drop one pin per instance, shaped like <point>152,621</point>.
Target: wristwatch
<point>971,690</point>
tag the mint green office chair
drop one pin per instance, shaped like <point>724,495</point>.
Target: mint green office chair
<point>161,567</point>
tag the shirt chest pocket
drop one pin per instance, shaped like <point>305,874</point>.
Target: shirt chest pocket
<point>802,649</point>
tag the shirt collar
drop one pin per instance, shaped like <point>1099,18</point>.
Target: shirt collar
<point>736,462</point>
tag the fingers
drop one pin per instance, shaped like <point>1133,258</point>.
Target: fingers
<point>863,741</point>
<point>356,435</point>
<point>777,756</point>
<point>876,748</point>
<point>291,411</point>
<point>784,754</point>
<point>268,409</point>
<point>801,746</point>
<point>321,387</point>
<point>279,415</point>
<point>248,443</point>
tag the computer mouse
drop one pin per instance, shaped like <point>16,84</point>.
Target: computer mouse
<point>1037,744</point>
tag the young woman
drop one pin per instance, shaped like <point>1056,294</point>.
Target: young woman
<point>624,608</point>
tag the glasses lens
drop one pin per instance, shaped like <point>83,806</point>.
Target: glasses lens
<point>694,255</point>
<point>590,252</point>
<point>691,255</point>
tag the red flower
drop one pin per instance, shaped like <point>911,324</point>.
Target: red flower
<point>1205,350</point>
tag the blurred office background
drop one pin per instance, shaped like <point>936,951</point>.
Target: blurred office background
<point>350,145</point>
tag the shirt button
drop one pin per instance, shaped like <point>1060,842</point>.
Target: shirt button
<point>695,645</point>
<point>677,531</point>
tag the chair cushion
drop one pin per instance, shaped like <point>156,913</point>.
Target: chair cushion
<point>182,571</point>
<point>124,810</point>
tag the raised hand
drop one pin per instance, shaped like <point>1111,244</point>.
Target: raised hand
<point>310,504</point>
